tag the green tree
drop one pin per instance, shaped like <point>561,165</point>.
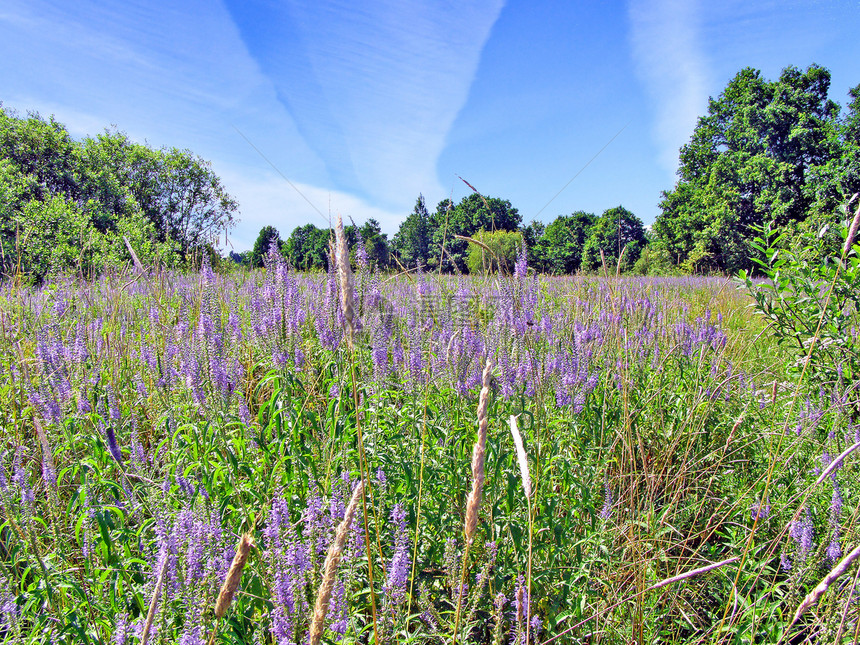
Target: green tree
<point>74,208</point>
<point>307,247</point>
<point>617,231</point>
<point>474,213</point>
<point>41,150</point>
<point>748,162</point>
<point>268,236</point>
<point>498,253</point>
<point>563,241</point>
<point>375,243</point>
<point>537,253</point>
<point>411,243</point>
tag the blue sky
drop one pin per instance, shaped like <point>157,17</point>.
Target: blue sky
<point>363,106</point>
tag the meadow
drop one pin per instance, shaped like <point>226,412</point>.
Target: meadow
<point>675,481</point>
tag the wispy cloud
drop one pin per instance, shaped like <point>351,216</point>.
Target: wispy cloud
<point>375,87</point>
<point>267,199</point>
<point>665,38</point>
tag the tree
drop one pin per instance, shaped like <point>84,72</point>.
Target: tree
<point>531,238</point>
<point>617,231</point>
<point>501,256</point>
<point>474,213</point>
<point>307,248</point>
<point>71,202</point>
<point>375,243</point>
<point>41,150</point>
<point>563,241</point>
<point>411,243</point>
<point>268,236</point>
<point>749,161</point>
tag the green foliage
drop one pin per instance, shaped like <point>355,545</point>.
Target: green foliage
<point>474,213</point>
<point>268,236</point>
<point>562,243</point>
<point>307,248</point>
<point>536,252</point>
<point>767,151</point>
<point>168,203</point>
<point>501,256</point>
<point>411,243</point>
<point>375,244</point>
<point>813,305</point>
<point>618,233</point>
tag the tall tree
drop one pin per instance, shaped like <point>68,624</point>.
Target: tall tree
<point>474,213</point>
<point>411,243</point>
<point>563,241</point>
<point>307,247</point>
<point>531,237</point>
<point>617,233</point>
<point>375,243</point>
<point>748,162</point>
<point>268,236</point>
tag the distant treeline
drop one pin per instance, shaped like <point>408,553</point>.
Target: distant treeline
<point>77,206</point>
<point>578,242</point>
<point>776,153</point>
<point>768,153</point>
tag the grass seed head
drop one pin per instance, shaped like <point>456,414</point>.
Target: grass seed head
<point>479,454</point>
<point>332,559</point>
<point>347,283</point>
<point>521,457</point>
<point>234,575</point>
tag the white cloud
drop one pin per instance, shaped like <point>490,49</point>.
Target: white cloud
<point>267,199</point>
<point>375,87</point>
<point>665,38</point>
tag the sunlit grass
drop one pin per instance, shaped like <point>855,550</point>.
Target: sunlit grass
<point>182,411</point>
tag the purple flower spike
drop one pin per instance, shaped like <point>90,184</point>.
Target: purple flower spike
<point>606,511</point>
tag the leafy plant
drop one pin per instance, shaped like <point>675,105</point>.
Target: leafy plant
<point>812,303</point>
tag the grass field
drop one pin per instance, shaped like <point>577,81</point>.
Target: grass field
<point>149,422</point>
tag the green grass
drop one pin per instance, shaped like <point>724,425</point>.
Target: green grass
<point>680,433</point>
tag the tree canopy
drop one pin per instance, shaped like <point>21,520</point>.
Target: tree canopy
<point>75,203</point>
<point>766,152</point>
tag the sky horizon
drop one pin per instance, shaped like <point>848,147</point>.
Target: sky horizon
<point>361,107</point>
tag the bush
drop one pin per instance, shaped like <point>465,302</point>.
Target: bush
<point>812,304</point>
<point>498,253</point>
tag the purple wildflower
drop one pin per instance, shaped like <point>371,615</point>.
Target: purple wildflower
<point>802,533</point>
<point>112,445</point>
<point>760,511</point>
<point>398,569</point>
<point>120,633</point>
<point>606,511</point>
<point>834,550</point>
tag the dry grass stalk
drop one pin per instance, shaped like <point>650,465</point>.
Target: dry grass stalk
<point>234,575</point>
<point>478,455</point>
<point>347,283</point>
<point>852,232</point>
<point>836,463</point>
<point>813,596</point>
<point>657,585</point>
<point>153,604</point>
<point>521,457</point>
<point>332,559</point>
<point>134,258</point>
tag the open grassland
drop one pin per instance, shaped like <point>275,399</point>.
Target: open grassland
<point>147,423</point>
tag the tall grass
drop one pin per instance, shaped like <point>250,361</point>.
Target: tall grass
<point>150,422</point>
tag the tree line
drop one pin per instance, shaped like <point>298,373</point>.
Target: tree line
<point>477,234</point>
<point>777,153</point>
<point>83,206</point>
